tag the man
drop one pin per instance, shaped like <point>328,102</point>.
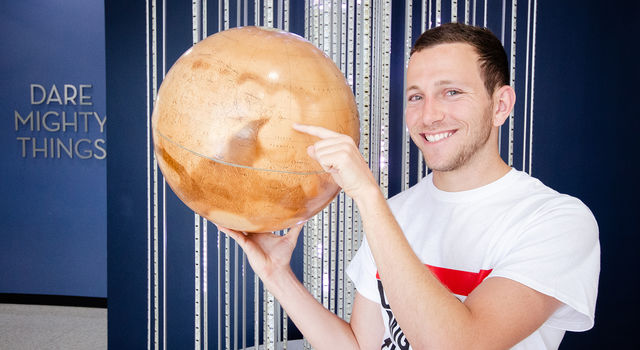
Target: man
<point>475,256</point>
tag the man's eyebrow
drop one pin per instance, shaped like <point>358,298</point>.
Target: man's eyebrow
<point>412,87</point>
<point>438,83</point>
<point>444,82</point>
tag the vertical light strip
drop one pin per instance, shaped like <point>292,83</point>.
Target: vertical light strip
<point>285,329</point>
<point>223,24</point>
<point>244,300</point>
<point>406,139</point>
<point>226,14</point>
<point>423,27</point>
<point>164,193</point>
<point>205,259</point>
<point>286,21</point>
<point>386,92</point>
<point>317,258</point>
<point>485,13</point>
<point>307,20</point>
<point>205,287</point>
<point>268,13</point>
<point>340,276</point>
<point>429,5</point>
<point>533,74</point>
<point>245,12</point>
<point>235,294</point>
<point>512,63</point>
<point>245,21</point>
<point>333,229</point>
<point>164,264</point>
<point>219,298</point>
<point>154,74</point>
<point>227,292</point>
<point>270,342</point>
<point>365,38</point>
<point>526,91</point>
<point>238,13</point>
<point>466,11</point>
<point>474,13</point>
<point>256,280</point>
<point>315,37</point>
<point>265,322</point>
<point>256,310</point>
<point>333,235</point>
<point>325,257</point>
<point>454,11</point>
<point>148,166</point>
<point>197,320</point>
<point>341,197</point>
<point>256,14</point>
<point>438,13</point>
<point>336,33</point>
<point>376,78</point>
<point>280,21</point>
<point>269,298</point>
<point>349,289</point>
<point>326,28</point>
<point>204,19</point>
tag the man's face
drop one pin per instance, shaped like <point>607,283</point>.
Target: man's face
<point>449,112</point>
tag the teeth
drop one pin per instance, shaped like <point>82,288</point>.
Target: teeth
<point>437,137</point>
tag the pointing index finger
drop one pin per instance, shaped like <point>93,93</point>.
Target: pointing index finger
<point>318,131</point>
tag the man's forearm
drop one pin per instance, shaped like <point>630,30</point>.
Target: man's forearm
<point>322,328</point>
<point>420,303</point>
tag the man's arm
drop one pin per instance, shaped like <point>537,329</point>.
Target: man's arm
<point>366,323</point>
<point>269,256</point>
<point>498,314</point>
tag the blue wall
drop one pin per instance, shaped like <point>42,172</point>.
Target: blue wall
<point>53,197</point>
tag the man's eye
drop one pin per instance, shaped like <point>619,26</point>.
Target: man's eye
<point>415,98</point>
<point>452,92</point>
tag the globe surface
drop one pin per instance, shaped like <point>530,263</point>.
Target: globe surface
<point>222,127</point>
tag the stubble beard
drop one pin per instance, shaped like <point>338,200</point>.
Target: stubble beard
<point>466,152</point>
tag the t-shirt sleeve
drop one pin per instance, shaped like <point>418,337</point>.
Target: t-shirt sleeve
<point>362,271</point>
<point>558,254</point>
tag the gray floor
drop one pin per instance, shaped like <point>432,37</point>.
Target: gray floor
<point>35,327</point>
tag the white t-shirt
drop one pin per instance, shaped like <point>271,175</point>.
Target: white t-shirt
<point>516,228</point>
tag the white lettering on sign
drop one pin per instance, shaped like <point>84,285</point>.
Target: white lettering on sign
<point>59,109</point>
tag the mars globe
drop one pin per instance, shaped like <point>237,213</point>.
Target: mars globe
<point>222,127</point>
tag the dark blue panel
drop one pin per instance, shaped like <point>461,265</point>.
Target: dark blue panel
<point>127,173</point>
<point>585,144</point>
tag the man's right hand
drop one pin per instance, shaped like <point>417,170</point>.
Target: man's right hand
<point>267,253</point>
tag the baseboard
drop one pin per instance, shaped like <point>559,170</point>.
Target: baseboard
<point>57,300</point>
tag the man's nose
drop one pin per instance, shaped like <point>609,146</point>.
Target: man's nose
<point>432,111</point>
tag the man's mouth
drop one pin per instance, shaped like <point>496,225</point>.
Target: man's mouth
<point>437,137</point>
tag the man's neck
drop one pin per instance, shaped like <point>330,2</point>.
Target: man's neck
<point>470,176</point>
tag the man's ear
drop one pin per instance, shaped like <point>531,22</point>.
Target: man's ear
<point>504,99</point>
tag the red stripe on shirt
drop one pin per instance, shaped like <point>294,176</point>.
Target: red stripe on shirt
<point>459,282</point>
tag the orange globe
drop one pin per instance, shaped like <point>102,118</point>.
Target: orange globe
<point>222,127</point>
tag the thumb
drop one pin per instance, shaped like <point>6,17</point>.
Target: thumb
<point>237,236</point>
<point>293,233</point>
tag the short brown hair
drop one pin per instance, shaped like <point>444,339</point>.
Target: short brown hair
<point>493,61</point>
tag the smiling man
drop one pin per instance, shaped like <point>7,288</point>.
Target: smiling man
<point>477,255</point>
